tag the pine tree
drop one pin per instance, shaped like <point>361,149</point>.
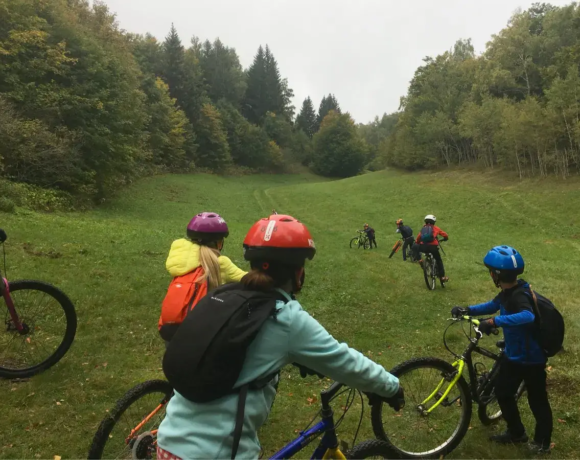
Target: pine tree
<point>266,91</point>
<point>222,72</point>
<point>326,105</point>
<point>173,59</point>
<point>254,107</point>
<point>306,119</point>
<point>181,71</point>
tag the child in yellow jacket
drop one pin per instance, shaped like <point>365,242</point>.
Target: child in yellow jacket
<point>206,233</point>
<point>199,256</point>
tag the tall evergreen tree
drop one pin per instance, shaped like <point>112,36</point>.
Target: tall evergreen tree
<point>306,119</point>
<point>182,73</point>
<point>222,72</point>
<point>327,104</point>
<point>266,91</point>
<point>254,107</point>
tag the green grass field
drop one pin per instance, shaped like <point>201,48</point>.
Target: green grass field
<point>111,262</point>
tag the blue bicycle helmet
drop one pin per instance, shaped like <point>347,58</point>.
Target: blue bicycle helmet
<point>504,260</point>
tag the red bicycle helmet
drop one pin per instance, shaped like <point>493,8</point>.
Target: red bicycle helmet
<point>279,238</point>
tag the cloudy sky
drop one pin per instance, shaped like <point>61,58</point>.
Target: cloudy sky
<point>363,51</point>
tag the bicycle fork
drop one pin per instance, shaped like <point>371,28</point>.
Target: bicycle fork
<point>458,365</point>
<point>15,321</point>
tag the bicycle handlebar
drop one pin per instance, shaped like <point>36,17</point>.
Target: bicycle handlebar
<point>475,322</point>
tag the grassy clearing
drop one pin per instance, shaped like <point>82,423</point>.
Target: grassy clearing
<point>111,263</point>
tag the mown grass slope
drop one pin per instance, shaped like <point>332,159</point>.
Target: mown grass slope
<point>111,263</point>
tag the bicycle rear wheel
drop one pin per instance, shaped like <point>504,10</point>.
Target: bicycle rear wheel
<point>130,429</point>
<point>366,244</point>
<point>413,433</point>
<point>354,243</point>
<point>490,411</point>
<point>49,321</point>
<point>429,272</point>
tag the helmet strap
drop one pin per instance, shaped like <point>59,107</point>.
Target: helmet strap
<point>495,279</point>
<point>298,280</point>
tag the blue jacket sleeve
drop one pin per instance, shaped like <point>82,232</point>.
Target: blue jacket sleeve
<point>517,319</point>
<point>312,346</point>
<point>486,308</point>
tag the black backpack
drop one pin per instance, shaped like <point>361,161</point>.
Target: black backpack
<point>205,356</point>
<point>549,324</point>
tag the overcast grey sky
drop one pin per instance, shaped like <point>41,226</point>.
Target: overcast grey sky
<point>363,51</point>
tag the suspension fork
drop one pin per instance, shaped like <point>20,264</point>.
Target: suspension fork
<point>10,305</point>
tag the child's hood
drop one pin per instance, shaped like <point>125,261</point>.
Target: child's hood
<point>183,257</point>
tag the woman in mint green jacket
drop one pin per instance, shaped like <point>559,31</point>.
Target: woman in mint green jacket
<point>277,250</point>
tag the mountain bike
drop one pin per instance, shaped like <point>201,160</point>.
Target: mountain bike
<point>362,240</point>
<point>439,400</point>
<point>39,326</point>
<point>430,272</point>
<point>130,430</point>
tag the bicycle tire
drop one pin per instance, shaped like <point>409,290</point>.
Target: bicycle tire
<point>427,274</point>
<point>354,242</point>
<point>395,249</point>
<point>373,448</point>
<point>465,403</point>
<point>489,419</point>
<point>106,426</point>
<point>71,327</point>
<point>366,244</point>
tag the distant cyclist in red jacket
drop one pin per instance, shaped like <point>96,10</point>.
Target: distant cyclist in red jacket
<point>427,243</point>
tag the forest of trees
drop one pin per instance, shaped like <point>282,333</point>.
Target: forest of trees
<point>516,106</point>
<point>86,107</point>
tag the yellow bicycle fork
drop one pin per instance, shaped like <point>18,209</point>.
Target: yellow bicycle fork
<point>459,365</point>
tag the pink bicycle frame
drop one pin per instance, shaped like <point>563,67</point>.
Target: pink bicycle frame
<point>10,305</point>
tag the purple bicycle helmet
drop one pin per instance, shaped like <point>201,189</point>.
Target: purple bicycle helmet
<point>207,227</point>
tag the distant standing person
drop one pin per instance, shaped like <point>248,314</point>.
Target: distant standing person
<point>407,236</point>
<point>274,212</point>
<point>370,235</point>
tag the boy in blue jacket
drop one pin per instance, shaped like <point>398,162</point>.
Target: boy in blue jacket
<point>524,358</point>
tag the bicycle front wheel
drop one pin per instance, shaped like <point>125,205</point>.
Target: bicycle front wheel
<point>130,430</point>
<point>416,432</point>
<point>49,324</point>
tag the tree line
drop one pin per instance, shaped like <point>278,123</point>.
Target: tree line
<point>516,106</point>
<point>86,107</point>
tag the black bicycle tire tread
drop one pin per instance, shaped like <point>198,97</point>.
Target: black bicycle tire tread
<point>108,423</point>
<point>369,448</point>
<point>376,411</point>
<point>69,336</point>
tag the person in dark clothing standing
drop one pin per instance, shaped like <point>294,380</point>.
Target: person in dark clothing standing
<point>407,236</point>
<point>370,234</point>
<point>524,358</point>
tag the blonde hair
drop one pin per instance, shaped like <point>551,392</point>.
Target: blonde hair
<point>209,258</point>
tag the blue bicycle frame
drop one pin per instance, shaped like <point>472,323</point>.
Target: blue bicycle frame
<point>328,446</point>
